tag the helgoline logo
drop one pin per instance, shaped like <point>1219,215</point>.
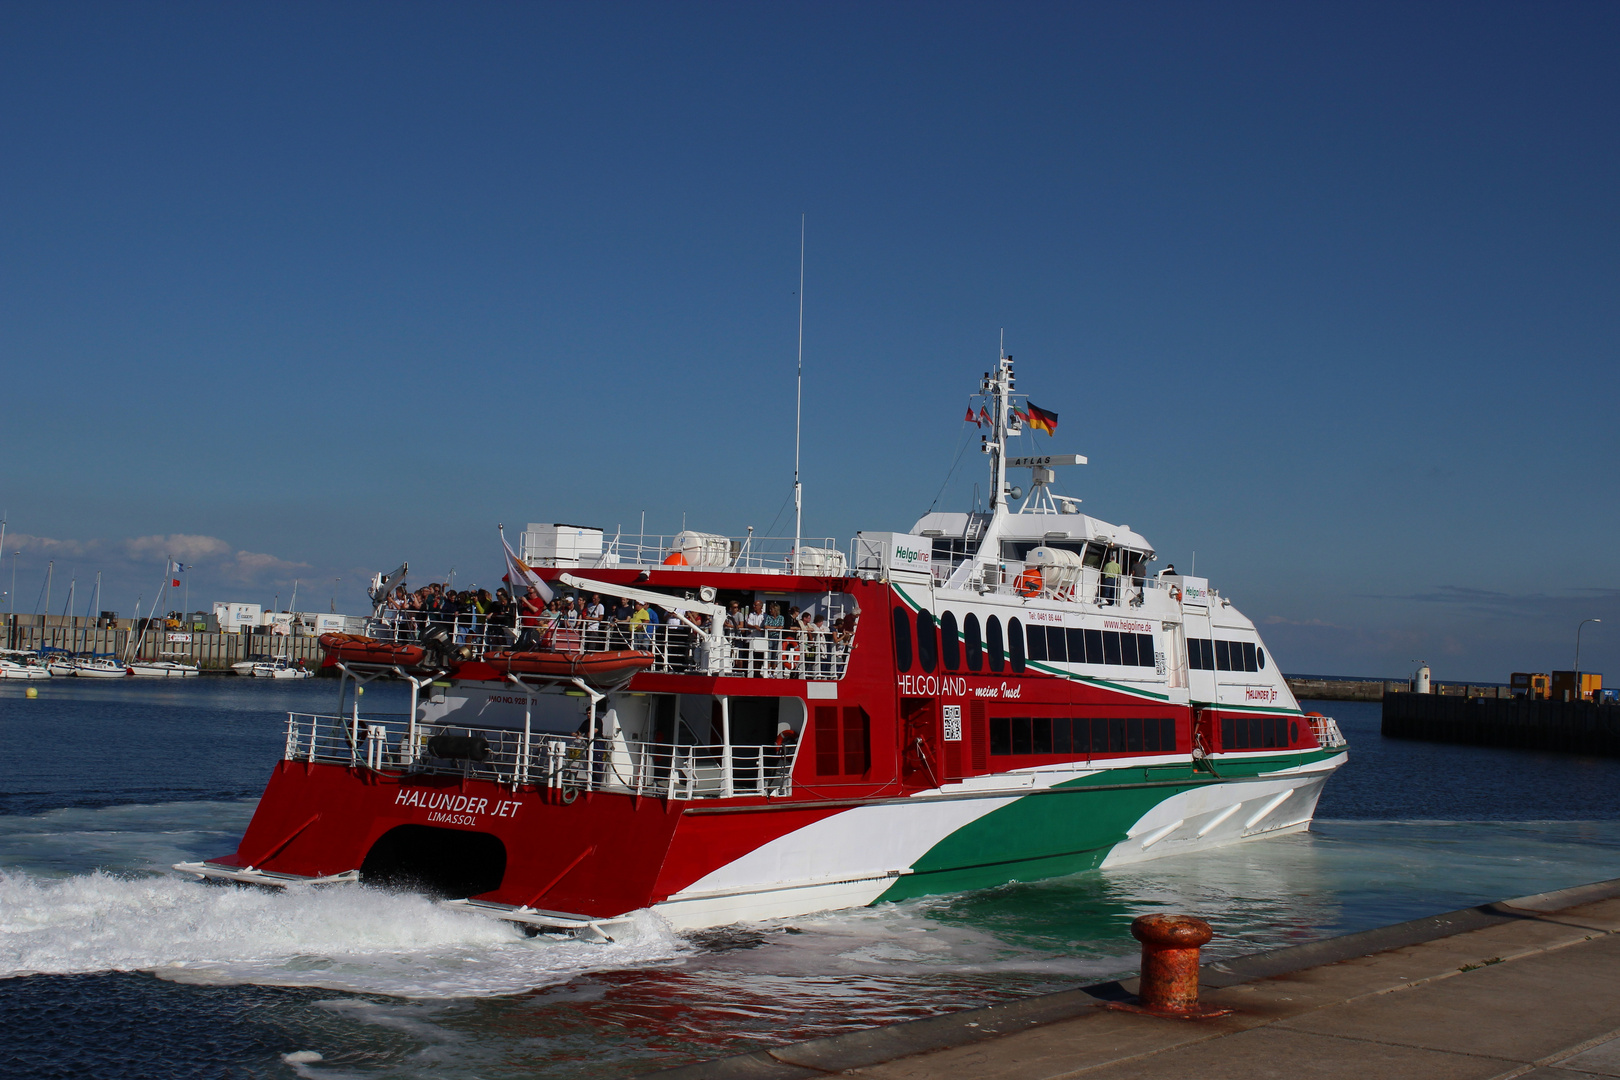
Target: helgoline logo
<point>911,555</point>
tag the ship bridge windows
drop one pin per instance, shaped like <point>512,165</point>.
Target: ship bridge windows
<point>1015,646</point>
<point>902,640</point>
<point>1218,654</point>
<point>1018,550</point>
<point>993,644</point>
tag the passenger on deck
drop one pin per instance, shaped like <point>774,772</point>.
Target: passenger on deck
<point>1110,580</point>
<point>773,635</point>
<point>1168,571</point>
<point>758,648</point>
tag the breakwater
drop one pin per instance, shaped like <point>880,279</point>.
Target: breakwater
<point>1519,723</point>
<point>1324,688</point>
<point>210,651</point>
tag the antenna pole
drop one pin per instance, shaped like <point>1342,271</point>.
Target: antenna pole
<point>798,415</point>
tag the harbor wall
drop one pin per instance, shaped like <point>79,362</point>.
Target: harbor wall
<point>1321,688</point>
<point>1575,726</point>
<point>210,651</point>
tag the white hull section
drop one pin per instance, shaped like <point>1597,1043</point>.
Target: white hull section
<point>851,859</point>
<point>1221,814</point>
<point>162,671</point>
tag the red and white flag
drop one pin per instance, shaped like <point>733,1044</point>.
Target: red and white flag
<point>520,575</point>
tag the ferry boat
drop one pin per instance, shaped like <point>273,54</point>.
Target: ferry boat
<point>997,695</point>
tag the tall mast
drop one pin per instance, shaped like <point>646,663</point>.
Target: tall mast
<point>998,385</point>
<point>798,415</point>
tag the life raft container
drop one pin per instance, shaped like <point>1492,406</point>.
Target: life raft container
<point>607,670</point>
<point>357,649</point>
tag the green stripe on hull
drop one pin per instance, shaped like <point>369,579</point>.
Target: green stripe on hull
<point>1063,830</point>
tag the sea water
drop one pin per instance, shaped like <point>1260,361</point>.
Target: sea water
<point>113,966</point>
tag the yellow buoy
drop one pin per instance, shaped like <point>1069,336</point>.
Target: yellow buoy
<point>33,692</point>
<point>359,690</point>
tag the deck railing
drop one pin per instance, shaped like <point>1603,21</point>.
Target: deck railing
<point>677,649</point>
<point>569,764</point>
<point>1328,735</point>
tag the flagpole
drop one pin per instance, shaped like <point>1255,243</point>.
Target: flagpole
<point>798,416</point>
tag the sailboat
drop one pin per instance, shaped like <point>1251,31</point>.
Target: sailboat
<point>157,669</point>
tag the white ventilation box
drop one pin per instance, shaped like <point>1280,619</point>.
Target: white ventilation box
<point>561,545</point>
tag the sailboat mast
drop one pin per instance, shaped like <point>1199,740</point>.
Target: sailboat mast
<point>798,415</point>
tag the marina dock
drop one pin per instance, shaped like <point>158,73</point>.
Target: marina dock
<point>1518,988</point>
<point>212,652</point>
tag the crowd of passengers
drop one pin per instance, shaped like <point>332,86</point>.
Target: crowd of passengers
<point>767,639</point>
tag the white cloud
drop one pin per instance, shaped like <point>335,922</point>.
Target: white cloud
<point>177,546</point>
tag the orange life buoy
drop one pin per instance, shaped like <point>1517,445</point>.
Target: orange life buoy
<point>1175,594</point>
<point>790,655</point>
<point>1029,583</point>
<point>675,558</point>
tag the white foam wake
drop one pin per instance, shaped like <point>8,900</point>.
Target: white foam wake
<point>344,938</point>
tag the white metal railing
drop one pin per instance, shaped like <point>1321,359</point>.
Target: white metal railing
<point>708,551</point>
<point>569,764</point>
<point>677,649</point>
<point>1328,735</point>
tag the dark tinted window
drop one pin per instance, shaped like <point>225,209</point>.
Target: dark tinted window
<point>1037,643</point>
<point>1020,733</point>
<point>1260,659</point>
<point>927,641</point>
<point>902,640</point>
<point>1110,647</point>
<point>1041,734</point>
<point>1000,734</point>
<point>1060,736</point>
<point>1249,662</point>
<point>1228,733</point>
<point>1167,733</point>
<point>1150,734</point>
<point>1133,735</point>
<point>1223,660</point>
<point>993,643</point>
<point>1293,732</point>
<point>1057,644</point>
<point>1127,649</point>
<point>1094,647</point>
<point>950,644</point>
<point>1099,735</point>
<point>1144,650</point>
<point>1015,645</point>
<point>1116,735</point>
<point>971,643</point>
<point>1076,640</point>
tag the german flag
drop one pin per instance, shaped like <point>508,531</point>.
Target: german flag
<point>1041,420</point>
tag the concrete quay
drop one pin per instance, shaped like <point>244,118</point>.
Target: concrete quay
<point>1528,987</point>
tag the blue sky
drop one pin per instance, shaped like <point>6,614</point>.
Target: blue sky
<point>1327,293</point>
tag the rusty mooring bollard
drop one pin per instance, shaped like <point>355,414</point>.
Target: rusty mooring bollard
<point>1170,945</point>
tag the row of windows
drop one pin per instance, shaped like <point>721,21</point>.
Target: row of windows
<point>946,646</point>
<point>1075,646</point>
<point>1206,655</point>
<point>1011,735</point>
<point>1258,732</point>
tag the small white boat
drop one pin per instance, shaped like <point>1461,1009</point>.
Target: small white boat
<point>281,668</point>
<point>161,669</point>
<point>99,667</point>
<point>61,665</point>
<point>22,664</point>
<point>245,667</point>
